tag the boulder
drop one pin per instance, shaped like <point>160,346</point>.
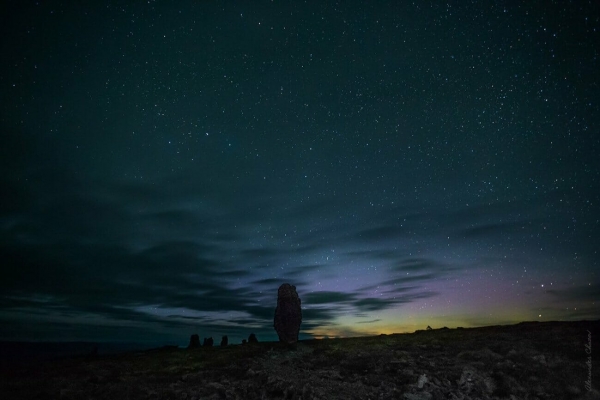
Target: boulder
<point>224,341</point>
<point>288,314</point>
<point>194,341</point>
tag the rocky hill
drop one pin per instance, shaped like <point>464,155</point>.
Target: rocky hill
<point>551,360</point>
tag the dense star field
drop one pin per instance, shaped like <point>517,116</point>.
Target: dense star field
<point>167,165</point>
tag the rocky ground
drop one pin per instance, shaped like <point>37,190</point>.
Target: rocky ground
<point>523,361</point>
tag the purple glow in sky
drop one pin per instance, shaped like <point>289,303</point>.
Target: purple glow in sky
<point>166,166</point>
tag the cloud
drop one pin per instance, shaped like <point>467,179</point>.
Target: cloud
<point>303,270</point>
<point>397,295</point>
<point>373,254</point>
<point>328,297</point>
<point>381,233</point>
<point>317,317</point>
<point>412,278</point>
<point>108,279</point>
<point>119,253</point>
<point>494,230</point>
<point>584,293</point>
<point>416,265</point>
<point>373,304</point>
<point>394,298</point>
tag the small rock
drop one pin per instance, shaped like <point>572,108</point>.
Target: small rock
<point>331,374</point>
<point>217,386</point>
<point>540,358</point>
<point>490,384</point>
<point>422,381</point>
<point>511,353</point>
<point>194,341</point>
<point>466,379</point>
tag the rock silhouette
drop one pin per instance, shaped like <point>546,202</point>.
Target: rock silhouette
<point>252,338</point>
<point>224,341</point>
<point>288,314</point>
<point>194,342</point>
<point>208,342</point>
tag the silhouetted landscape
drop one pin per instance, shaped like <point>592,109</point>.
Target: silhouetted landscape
<point>26,352</point>
<point>530,360</point>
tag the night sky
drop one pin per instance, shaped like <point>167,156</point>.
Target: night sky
<point>165,166</point>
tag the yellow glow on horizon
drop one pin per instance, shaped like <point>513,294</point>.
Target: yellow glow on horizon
<point>351,327</point>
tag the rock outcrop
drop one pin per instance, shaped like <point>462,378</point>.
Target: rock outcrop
<point>288,314</point>
<point>224,341</point>
<point>208,342</point>
<point>252,338</point>
<point>194,341</point>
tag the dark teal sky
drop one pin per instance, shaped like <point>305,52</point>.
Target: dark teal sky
<point>165,166</point>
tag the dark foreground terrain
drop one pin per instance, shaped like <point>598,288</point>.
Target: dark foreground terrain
<point>523,361</point>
